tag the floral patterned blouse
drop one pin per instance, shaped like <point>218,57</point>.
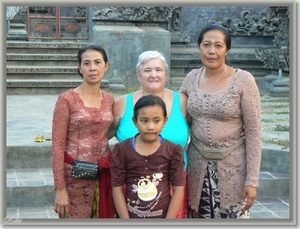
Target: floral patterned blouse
<point>83,133</point>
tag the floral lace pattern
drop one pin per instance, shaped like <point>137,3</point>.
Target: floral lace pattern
<point>82,132</point>
<point>220,120</point>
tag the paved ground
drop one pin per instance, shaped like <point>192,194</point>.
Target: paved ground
<point>30,115</point>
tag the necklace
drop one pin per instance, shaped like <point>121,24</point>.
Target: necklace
<point>206,91</point>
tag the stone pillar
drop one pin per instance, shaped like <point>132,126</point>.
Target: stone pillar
<point>11,11</point>
<point>158,39</point>
<point>127,31</point>
<point>124,44</point>
<point>116,83</point>
<point>16,22</point>
<point>280,86</point>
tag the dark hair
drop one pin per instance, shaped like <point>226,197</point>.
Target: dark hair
<point>149,100</point>
<point>219,28</point>
<point>91,47</point>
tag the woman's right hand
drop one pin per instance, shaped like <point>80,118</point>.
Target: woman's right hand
<point>62,203</point>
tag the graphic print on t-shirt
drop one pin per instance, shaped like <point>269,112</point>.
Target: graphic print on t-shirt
<point>146,188</point>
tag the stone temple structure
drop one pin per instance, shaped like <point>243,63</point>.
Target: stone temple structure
<point>260,42</point>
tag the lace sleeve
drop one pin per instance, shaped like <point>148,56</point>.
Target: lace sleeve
<point>187,84</point>
<point>251,112</point>
<point>190,82</point>
<point>183,88</point>
<point>59,135</point>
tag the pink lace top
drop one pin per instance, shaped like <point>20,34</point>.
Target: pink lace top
<point>233,112</point>
<point>80,131</point>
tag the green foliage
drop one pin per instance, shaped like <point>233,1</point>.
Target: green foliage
<point>269,120</point>
<point>282,112</point>
<point>276,141</point>
<point>280,127</point>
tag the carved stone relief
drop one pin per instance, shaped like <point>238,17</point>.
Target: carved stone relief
<point>139,13</point>
<point>42,70</point>
<point>180,36</point>
<point>277,57</point>
<point>11,11</point>
<point>42,57</point>
<point>11,84</point>
<point>45,45</point>
<point>262,24</point>
<point>275,23</point>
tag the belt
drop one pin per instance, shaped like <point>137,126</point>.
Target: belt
<point>217,154</point>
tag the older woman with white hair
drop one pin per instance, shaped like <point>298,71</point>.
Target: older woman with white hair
<point>152,73</point>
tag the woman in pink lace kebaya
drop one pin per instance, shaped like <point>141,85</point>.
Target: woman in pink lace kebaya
<point>81,121</point>
<point>225,148</point>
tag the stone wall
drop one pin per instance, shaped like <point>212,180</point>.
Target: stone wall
<point>260,38</point>
<point>195,18</point>
<point>127,31</point>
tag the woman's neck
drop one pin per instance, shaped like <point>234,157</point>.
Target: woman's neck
<point>90,90</point>
<point>214,73</point>
<point>157,93</point>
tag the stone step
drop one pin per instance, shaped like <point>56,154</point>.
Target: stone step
<point>282,126</point>
<point>23,153</point>
<point>274,104</point>
<point>263,208</point>
<point>29,187</point>
<point>33,155</point>
<point>239,56</point>
<point>43,73</point>
<point>273,185</point>
<point>275,158</point>
<point>269,99</point>
<point>179,71</point>
<point>43,47</point>
<point>16,31</point>
<point>276,110</point>
<point>43,76</point>
<point>39,57</point>
<point>14,25</point>
<point>42,69</point>
<point>41,60</point>
<point>44,86</point>
<point>50,83</point>
<point>35,187</point>
<point>272,118</point>
<point>29,212</point>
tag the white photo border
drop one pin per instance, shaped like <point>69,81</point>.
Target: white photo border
<point>294,95</point>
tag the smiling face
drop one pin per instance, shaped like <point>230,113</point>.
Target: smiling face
<point>153,75</point>
<point>150,120</point>
<point>92,66</point>
<point>213,49</point>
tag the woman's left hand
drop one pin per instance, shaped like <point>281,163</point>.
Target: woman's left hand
<point>249,195</point>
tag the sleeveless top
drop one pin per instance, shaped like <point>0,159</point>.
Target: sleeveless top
<point>176,129</point>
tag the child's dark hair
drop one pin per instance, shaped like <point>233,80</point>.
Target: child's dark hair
<point>91,47</point>
<point>149,100</point>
